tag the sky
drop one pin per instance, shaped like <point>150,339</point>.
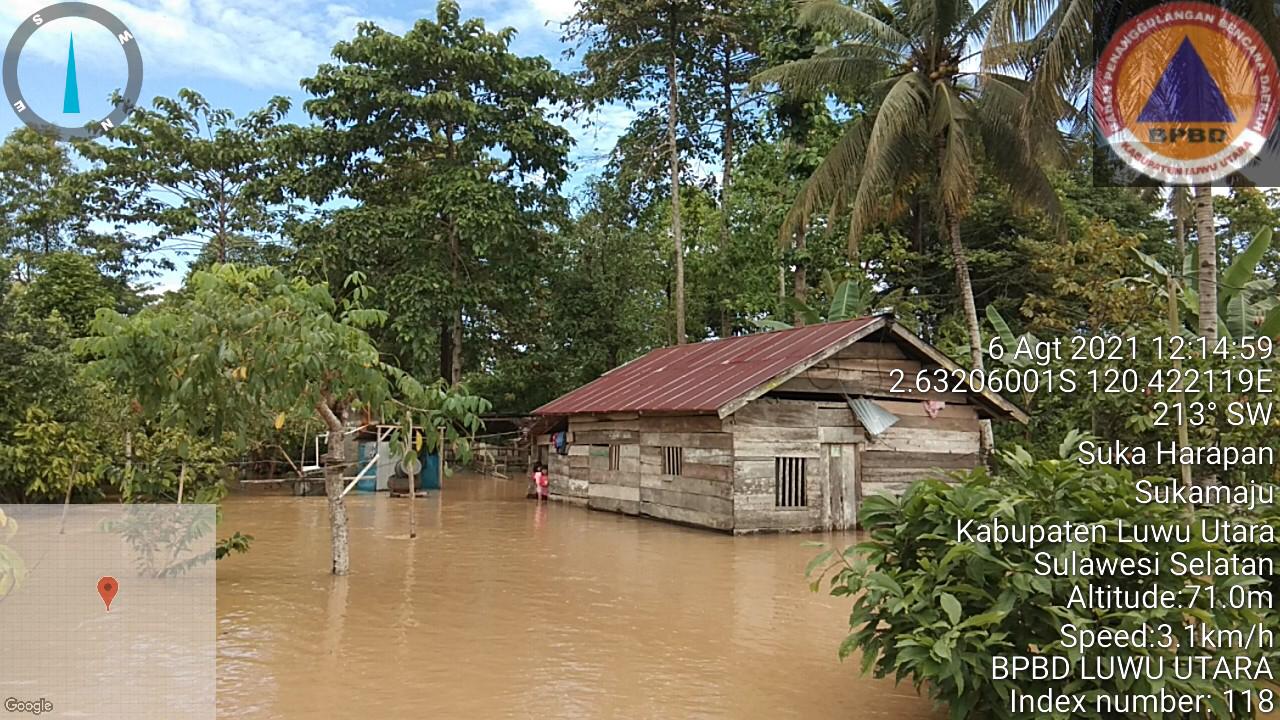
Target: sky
<point>240,53</point>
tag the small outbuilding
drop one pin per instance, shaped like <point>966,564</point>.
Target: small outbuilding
<point>783,430</point>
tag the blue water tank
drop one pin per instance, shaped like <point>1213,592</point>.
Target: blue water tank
<point>429,479</point>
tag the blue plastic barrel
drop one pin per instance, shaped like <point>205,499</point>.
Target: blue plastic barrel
<point>429,479</point>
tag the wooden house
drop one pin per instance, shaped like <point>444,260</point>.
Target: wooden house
<point>784,430</point>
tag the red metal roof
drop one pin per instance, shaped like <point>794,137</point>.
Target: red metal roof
<point>702,377</point>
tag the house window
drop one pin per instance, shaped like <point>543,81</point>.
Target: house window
<point>789,484</point>
<point>615,457</point>
<point>672,460</point>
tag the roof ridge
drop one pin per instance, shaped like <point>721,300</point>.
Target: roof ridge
<point>702,377</point>
<point>776,331</point>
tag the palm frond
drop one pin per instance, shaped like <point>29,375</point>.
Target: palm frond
<point>844,21</point>
<point>1013,20</point>
<point>899,124</point>
<point>1065,62</point>
<point>842,68</point>
<point>1012,159</point>
<point>1005,97</point>
<point>832,180</point>
<point>956,180</point>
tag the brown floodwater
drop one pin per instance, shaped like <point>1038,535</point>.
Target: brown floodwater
<point>503,608</point>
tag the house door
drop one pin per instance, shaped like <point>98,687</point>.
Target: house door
<point>842,488</point>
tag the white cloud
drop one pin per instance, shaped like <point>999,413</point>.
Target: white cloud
<point>264,45</point>
<point>537,19</point>
<point>555,10</point>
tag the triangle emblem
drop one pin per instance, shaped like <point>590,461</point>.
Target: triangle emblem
<point>1186,92</point>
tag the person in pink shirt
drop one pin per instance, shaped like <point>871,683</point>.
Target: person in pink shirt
<point>541,481</point>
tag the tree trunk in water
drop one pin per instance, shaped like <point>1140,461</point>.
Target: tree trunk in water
<point>965,286</point>
<point>335,463</point>
<point>673,107</point>
<point>1207,253</point>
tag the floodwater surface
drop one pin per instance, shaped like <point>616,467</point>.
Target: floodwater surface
<point>503,608</point>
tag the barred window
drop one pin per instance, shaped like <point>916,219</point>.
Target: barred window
<point>615,457</point>
<point>672,460</point>
<point>789,482</point>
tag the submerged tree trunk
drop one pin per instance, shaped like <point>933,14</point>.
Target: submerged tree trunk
<point>970,308</point>
<point>677,238</point>
<point>1207,254</point>
<point>335,463</point>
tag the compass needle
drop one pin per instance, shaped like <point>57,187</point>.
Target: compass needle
<point>71,95</point>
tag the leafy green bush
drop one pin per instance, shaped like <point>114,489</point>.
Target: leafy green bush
<point>933,609</point>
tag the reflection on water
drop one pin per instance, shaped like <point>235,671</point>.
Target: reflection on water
<point>504,608</point>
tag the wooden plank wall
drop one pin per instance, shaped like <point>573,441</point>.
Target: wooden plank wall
<point>614,490</point>
<point>918,444</point>
<point>567,477</point>
<point>701,495</point>
<point>864,369</point>
<point>766,429</point>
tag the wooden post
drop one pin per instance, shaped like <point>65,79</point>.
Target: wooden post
<point>440,461</point>
<point>413,494</point>
<point>414,470</point>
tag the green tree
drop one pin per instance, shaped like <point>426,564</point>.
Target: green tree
<point>197,174</point>
<point>42,205</point>
<point>445,140</point>
<point>53,457</point>
<point>71,285</point>
<point>643,55</point>
<point>241,345</point>
<point>930,123</point>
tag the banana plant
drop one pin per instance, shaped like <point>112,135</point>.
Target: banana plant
<point>1026,398</point>
<point>1247,304</point>
<point>850,298</point>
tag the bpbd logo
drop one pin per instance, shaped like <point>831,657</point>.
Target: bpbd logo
<point>1186,93</point>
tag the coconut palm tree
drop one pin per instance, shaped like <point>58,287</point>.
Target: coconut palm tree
<point>1051,43</point>
<point>1207,255</point>
<point>930,114</point>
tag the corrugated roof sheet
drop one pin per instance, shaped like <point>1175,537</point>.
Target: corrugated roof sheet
<point>701,377</point>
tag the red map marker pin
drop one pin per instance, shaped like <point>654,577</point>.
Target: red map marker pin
<point>107,588</point>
